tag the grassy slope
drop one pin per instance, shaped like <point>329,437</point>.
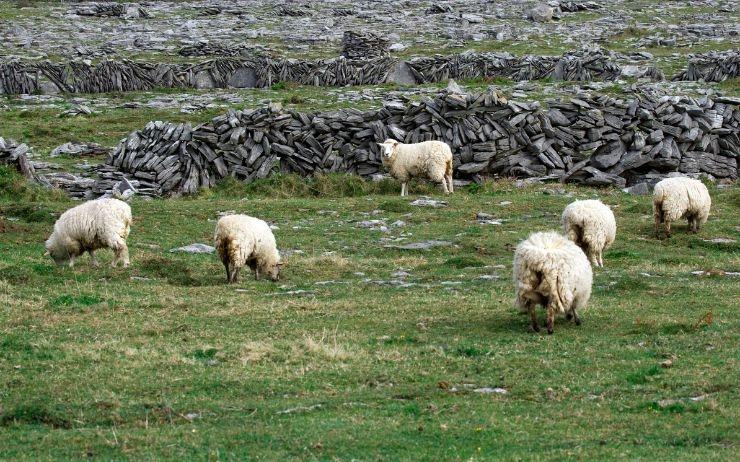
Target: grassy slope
<point>93,362</point>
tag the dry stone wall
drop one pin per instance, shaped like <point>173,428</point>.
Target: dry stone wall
<point>84,77</point>
<point>594,140</point>
<point>242,72</point>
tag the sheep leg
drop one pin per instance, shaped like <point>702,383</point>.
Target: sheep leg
<point>667,228</point>
<point>533,315</point>
<point>404,191</point>
<point>93,261</point>
<point>228,272</point>
<point>601,259</point>
<point>256,273</point>
<point>550,317</point>
<point>576,318</point>
<point>449,184</point>
<point>444,186</point>
<point>658,215</point>
<point>235,274</point>
<point>694,224</point>
<point>71,262</point>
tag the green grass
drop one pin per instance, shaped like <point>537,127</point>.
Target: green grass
<point>164,361</point>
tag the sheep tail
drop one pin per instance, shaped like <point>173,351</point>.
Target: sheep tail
<point>556,291</point>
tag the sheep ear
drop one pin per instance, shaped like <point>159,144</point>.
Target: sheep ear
<point>380,144</point>
<point>395,143</point>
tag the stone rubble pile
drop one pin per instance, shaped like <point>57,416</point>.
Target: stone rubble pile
<point>366,45</point>
<point>594,140</point>
<point>572,7</point>
<point>261,71</point>
<point>117,10</point>
<point>715,66</point>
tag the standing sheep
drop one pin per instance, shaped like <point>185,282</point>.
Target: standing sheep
<point>679,197</point>
<point>98,224</point>
<point>551,271</point>
<point>243,240</point>
<point>429,159</point>
<point>591,225</point>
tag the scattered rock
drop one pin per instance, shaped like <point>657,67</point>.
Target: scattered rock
<point>427,202</point>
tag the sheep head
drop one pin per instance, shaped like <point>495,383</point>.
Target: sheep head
<point>388,148</point>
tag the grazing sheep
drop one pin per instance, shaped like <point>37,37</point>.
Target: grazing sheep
<point>243,240</point>
<point>98,224</point>
<point>679,197</point>
<point>554,272</point>
<point>429,159</point>
<point>591,225</point>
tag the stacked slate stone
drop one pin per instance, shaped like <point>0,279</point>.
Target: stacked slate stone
<point>363,46</point>
<point>596,140</point>
<point>294,11</point>
<point>715,66</point>
<point>16,155</point>
<point>580,66</point>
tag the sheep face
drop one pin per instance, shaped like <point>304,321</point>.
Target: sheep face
<point>273,272</point>
<point>388,148</point>
<point>59,253</point>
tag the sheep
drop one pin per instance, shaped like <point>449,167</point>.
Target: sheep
<point>243,240</point>
<point>591,225</point>
<point>552,271</point>
<point>430,159</point>
<point>678,197</point>
<point>97,224</point>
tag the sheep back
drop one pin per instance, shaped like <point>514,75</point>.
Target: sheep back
<point>240,238</point>
<point>96,224</point>
<point>682,196</point>
<point>549,266</point>
<point>426,159</point>
<point>590,224</point>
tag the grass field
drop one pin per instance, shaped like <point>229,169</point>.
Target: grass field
<point>337,362</point>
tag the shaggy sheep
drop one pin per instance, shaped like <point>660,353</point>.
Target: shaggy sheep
<point>554,272</point>
<point>98,224</point>
<point>679,197</point>
<point>591,225</point>
<point>243,240</point>
<point>429,159</point>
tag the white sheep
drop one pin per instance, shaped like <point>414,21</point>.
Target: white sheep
<point>552,271</point>
<point>97,224</point>
<point>429,159</point>
<point>679,197</point>
<point>591,225</point>
<point>243,240</point>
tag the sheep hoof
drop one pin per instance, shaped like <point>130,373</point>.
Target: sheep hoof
<point>578,321</point>
<point>549,331</point>
<point>536,328</point>
<point>569,316</point>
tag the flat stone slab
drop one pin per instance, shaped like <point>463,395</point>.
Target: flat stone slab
<point>195,248</point>
<point>426,245</point>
